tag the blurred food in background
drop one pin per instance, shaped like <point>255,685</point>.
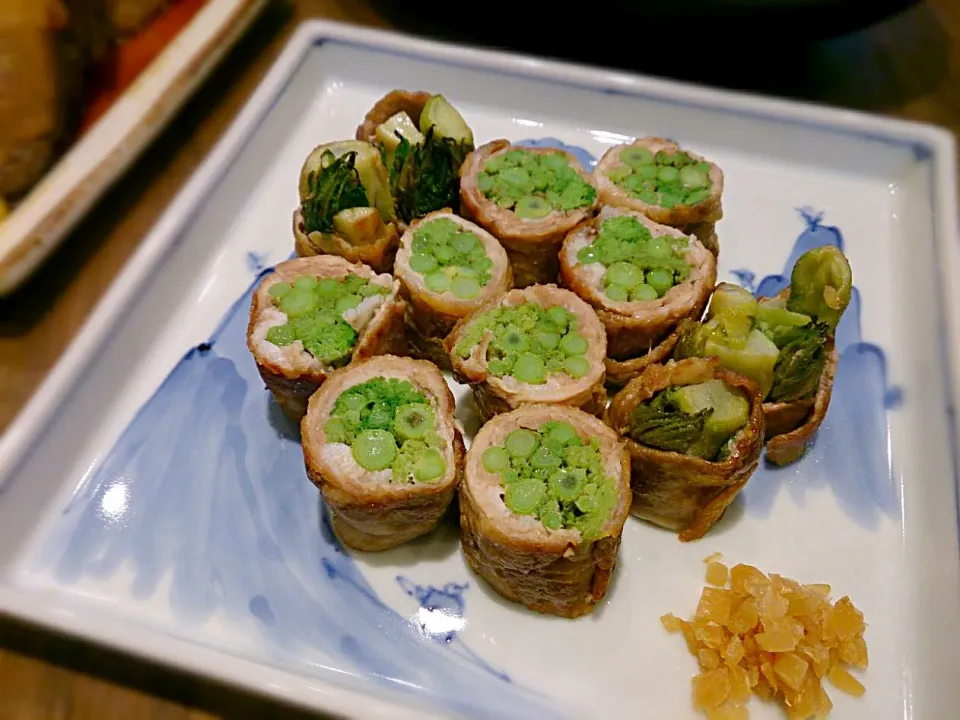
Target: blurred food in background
<point>62,64</point>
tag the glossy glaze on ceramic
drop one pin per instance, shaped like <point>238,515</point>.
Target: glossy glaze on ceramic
<point>156,500</point>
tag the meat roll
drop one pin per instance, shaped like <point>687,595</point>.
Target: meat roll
<point>642,279</point>
<point>312,315</point>
<point>538,344</point>
<point>381,443</point>
<point>543,502</point>
<point>346,208</point>
<point>785,344</point>
<point>668,184</point>
<point>694,432</point>
<point>447,268</point>
<point>529,198</point>
<point>423,140</point>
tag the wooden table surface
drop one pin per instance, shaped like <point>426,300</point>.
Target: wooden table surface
<point>908,66</point>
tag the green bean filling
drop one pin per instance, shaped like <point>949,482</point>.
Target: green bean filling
<point>529,343</point>
<point>389,424</point>
<point>638,265</point>
<point>697,420</point>
<point>314,308</point>
<point>553,475</point>
<point>782,346</point>
<point>533,185</point>
<point>450,259</point>
<point>665,179</point>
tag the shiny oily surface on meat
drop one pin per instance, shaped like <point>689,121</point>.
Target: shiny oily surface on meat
<point>697,420</point>
<point>450,259</point>
<point>781,344</point>
<point>389,424</point>
<point>637,265</point>
<point>314,309</point>
<point>529,342</point>
<point>533,185</point>
<point>553,475</point>
<point>663,178</point>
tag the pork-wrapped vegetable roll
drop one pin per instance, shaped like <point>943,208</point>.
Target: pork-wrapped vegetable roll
<point>312,315</point>
<point>423,141</point>
<point>668,184</point>
<point>528,198</point>
<point>447,267</point>
<point>381,442</point>
<point>345,206</point>
<point>538,344</point>
<point>785,344</point>
<point>543,502</point>
<point>642,279</point>
<point>694,432</point>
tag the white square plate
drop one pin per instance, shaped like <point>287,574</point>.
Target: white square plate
<point>151,498</point>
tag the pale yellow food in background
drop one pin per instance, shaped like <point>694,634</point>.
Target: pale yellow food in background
<point>773,637</point>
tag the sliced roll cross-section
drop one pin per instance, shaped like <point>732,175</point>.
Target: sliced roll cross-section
<point>668,184</point>
<point>543,502</point>
<point>423,140</point>
<point>345,206</point>
<point>447,267</point>
<point>642,278</point>
<point>381,442</point>
<point>312,315</point>
<point>539,344</point>
<point>528,198</point>
<point>694,432</point>
<point>785,344</point>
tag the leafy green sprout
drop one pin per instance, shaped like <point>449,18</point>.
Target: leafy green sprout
<point>389,424</point>
<point>664,179</point>
<point>533,185</point>
<point>314,308</point>
<point>530,343</point>
<point>638,266</point>
<point>552,474</point>
<point>336,186</point>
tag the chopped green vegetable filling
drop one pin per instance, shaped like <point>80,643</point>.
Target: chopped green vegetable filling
<point>388,423</point>
<point>533,185</point>
<point>696,420</point>
<point>782,346</point>
<point>529,343</point>
<point>334,187</point>
<point>553,475</point>
<point>425,177</point>
<point>638,265</point>
<point>450,259</point>
<point>665,179</point>
<point>314,309</point>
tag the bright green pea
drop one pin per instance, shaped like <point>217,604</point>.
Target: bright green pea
<point>623,273</point>
<point>374,449</point>
<point>573,344</point>
<point>463,242</point>
<point>563,433</point>
<point>617,293</point>
<point>660,280</point>
<point>576,366</point>
<point>429,466</point>
<point>281,335</point>
<point>524,497</point>
<point>495,459</point>
<point>422,263</point>
<point>643,292</point>
<point>465,288</point>
<point>530,369</point>
<point>437,282</point>
<point>543,458</point>
<point>328,289</point>
<point>558,316</point>
<point>278,290</point>
<point>347,302</point>
<point>521,443</point>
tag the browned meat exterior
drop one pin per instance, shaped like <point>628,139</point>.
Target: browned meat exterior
<point>129,16</point>
<point>45,49</point>
<point>494,395</point>
<point>409,101</point>
<point>633,328</point>
<point>431,316</point>
<point>698,220</point>
<point>368,511</point>
<point>378,253</point>
<point>619,372</point>
<point>549,571</point>
<point>679,492</point>
<point>291,373</point>
<point>791,426</point>
<point>533,246</point>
